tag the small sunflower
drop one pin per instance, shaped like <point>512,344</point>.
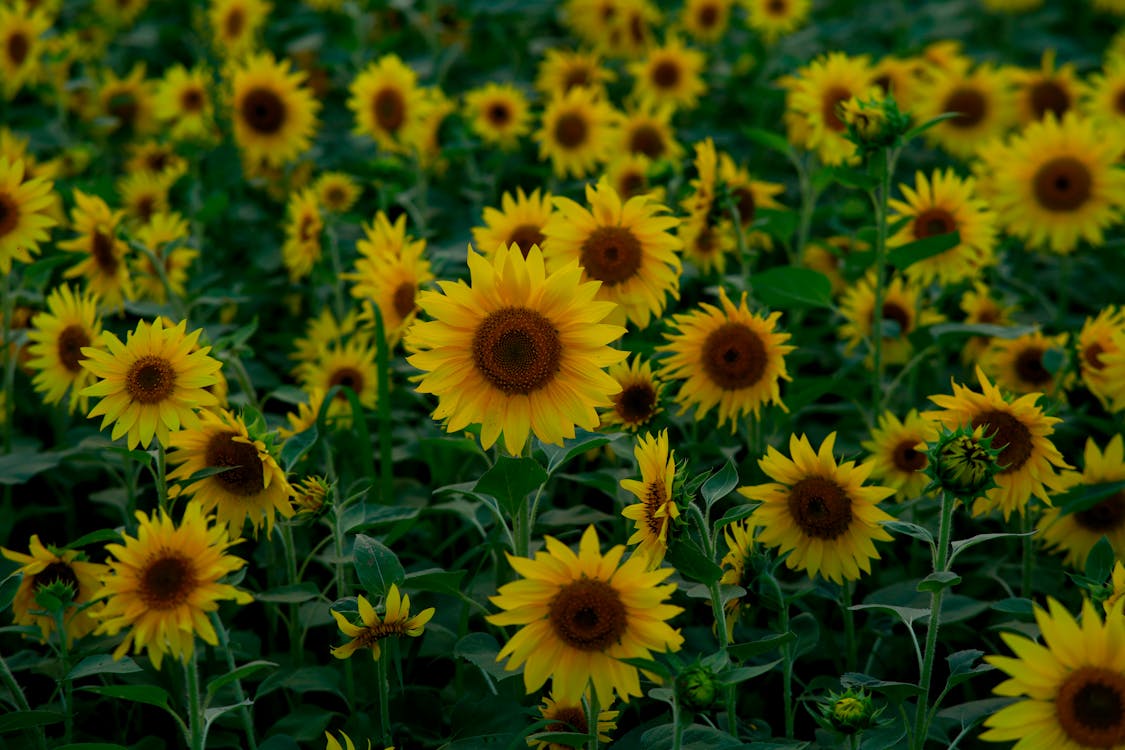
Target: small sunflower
<point>25,219</point>
<point>656,510</point>
<point>236,24</point>
<point>104,268</point>
<point>981,307</point>
<point>302,248</point>
<point>577,132</point>
<point>396,621</point>
<point>819,511</point>
<point>336,191</point>
<point>671,73</point>
<point>1021,429</point>
<point>163,236</point>
<point>1019,365</point>
<point>386,100</point>
<point>155,157</point>
<point>163,582</point>
<point>151,384</point>
<point>646,129</point>
<point>703,244</point>
<point>561,70</point>
<point>814,96</point>
<point>737,568</point>
<point>323,331</point>
<point>980,96</point>
<point>570,716</point>
<point>1046,90</point>
<point>21,27</point>
<point>638,403</point>
<point>58,335</point>
<point>44,566</point>
<point>275,114</point>
<point>499,114</point>
<point>728,358</point>
<point>392,281</point>
<point>1075,534</point>
<point>518,221</point>
<point>706,20</point>
<point>899,78</point>
<point>307,413</point>
<point>517,350</point>
<point>776,18</point>
<point>1101,356</point>
<point>629,176</point>
<point>748,195</point>
<point>626,246</point>
<point>143,195</point>
<point>184,101</point>
<point>426,134</point>
<point>1104,99</point>
<point>903,313</point>
<point>898,453</point>
<point>127,103</point>
<point>581,614</point>
<point>350,365</point>
<point>829,255</point>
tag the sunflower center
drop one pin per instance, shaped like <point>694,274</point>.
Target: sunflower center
<point>499,114</point>
<point>747,206</point>
<point>1063,184</point>
<point>1106,516</point>
<point>568,719</point>
<point>145,207</point>
<point>123,106</point>
<point>705,241</point>
<point>389,109</point>
<point>9,214</point>
<point>1009,432</point>
<point>655,497</point>
<point>611,255</point>
<point>1030,369</point>
<point>907,457</point>
<point>150,380</point>
<point>1049,96</point>
<point>102,249</point>
<point>56,572</point>
<point>631,183</point>
<point>335,196</point>
<point>883,82</point>
<point>263,110</point>
<point>970,106</point>
<point>828,108</point>
<point>234,22</point>
<point>576,77</point>
<point>517,350</point>
<point>635,403</point>
<point>666,74</point>
<point>734,356</point>
<point>570,130</point>
<point>245,475</point>
<point>156,161</point>
<point>191,100</point>
<point>404,299</point>
<point>69,347</point>
<point>933,221</point>
<point>1119,101</point>
<point>776,7</point>
<point>346,377</point>
<point>820,507</point>
<point>167,582</point>
<point>1092,354</point>
<point>18,47</point>
<point>1090,707</point>
<point>646,139</point>
<point>707,16</point>
<point>895,312</point>
<point>588,615</point>
<point>526,235</point>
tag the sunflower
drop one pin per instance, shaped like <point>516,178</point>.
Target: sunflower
<point>646,129</point>
<point>814,96</point>
<point>570,716</point>
<point>163,236</point>
<point>396,621</point>
<point>561,70</point>
<point>386,100</point>
<point>776,18</point>
<point>499,114</point>
<point>898,77</point>
<point>20,46</point>
<point>143,195</point>
<point>898,453</point>
<point>1046,90</point>
<point>1076,533</point>
<point>151,384</point>
<point>334,744</point>
<point>626,246</point>
<point>1101,345</point>
<point>235,25</point>
<point>656,510</point>
<point>728,358</point>
<point>628,174</point>
<point>581,614</point>
<point>638,402</point>
<point>1104,96</point>
<point>158,158</point>
<point>1019,365</point>
<point>819,511</point>
<point>423,136</point>
<point>350,365</point>
<point>302,249</point>
<point>183,100</point>
<point>274,111</point>
<point>24,213</point>
<point>516,350</point>
<point>577,132</point>
<point>323,331</point>
<point>1011,6</point>
<point>703,244</point>
<point>982,308</point>
<point>162,584</point>
<point>670,74</point>
<point>980,96</point>
<point>104,268</point>
<point>939,205</point>
<point>127,103</point>
<point>336,191</point>
<point>518,221</point>
<point>1073,686</point>
<point>1021,429</point>
<point>1058,185</point>
<point>748,195</point>
<point>46,566</point>
<point>737,568</point>
<point>828,256</point>
<point>903,313</point>
<point>58,335</point>
<point>392,281</point>
<point>706,20</point>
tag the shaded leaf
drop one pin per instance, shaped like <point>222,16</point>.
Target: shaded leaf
<point>787,287</point>
<point>904,256</point>
<point>510,480</point>
<point>769,644</point>
<point>15,721</point>
<point>213,686</point>
<point>480,649</point>
<point>939,580</point>
<point>690,561</point>
<point>102,664</point>
<point>719,485</point>
<point>376,566</point>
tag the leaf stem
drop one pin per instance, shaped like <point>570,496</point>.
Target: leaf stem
<point>383,406</point>
<point>941,563</point>
<point>850,646</point>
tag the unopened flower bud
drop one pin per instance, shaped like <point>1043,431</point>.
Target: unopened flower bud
<point>963,463</point>
<point>696,687</point>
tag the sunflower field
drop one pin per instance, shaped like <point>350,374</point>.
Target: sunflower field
<point>501,374</point>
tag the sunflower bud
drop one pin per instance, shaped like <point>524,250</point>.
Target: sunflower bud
<point>849,712</point>
<point>963,463</point>
<point>696,687</point>
<point>55,596</point>
<point>873,123</point>
<point>311,497</point>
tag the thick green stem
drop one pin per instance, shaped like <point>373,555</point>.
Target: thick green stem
<point>295,649</point>
<point>787,660</point>
<point>592,711</point>
<point>196,727</point>
<point>879,201</point>
<point>161,477</point>
<point>11,354</point>
<point>239,693</point>
<point>383,405</point>
<point>9,681</point>
<point>521,530</point>
<point>941,562</point>
<point>677,726</point>
<point>384,688</point>
<point>850,647</point>
<point>809,195</point>
<point>65,683</point>
<point>1028,561</point>
<point>340,307</point>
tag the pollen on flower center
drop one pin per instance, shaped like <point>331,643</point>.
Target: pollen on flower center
<point>1092,354</point>
<point>191,100</point>
<point>895,312</point>
<point>101,248</point>
<point>934,221</point>
<point>734,356</point>
<point>820,507</point>
<point>571,130</point>
<point>1090,707</point>
<point>499,114</point>
<point>517,350</point>
<point>747,206</point>
<point>655,497</point>
<point>1062,184</point>
<point>9,214</point>
<point>588,615</point>
<point>167,582</point>
<point>611,255</point>
<point>646,140</point>
<point>666,74</point>
<point>969,104</point>
<point>150,380</point>
<point>404,299</point>
<point>1009,433</point>
<point>234,22</point>
<point>245,477</point>
<point>635,403</point>
<point>263,110</point>
<point>69,347</point>
<point>347,377</point>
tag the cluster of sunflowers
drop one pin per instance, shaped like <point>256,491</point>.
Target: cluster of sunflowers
<point>690,248</point>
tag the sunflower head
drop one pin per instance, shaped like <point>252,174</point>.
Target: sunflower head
<point>64,575</point>
<point>373,629</point>
<point>848,712</point>
<point>697,686</point>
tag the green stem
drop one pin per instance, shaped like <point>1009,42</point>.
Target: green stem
<point>341,308</point>
<point>67,687</point>
<point>787,660</point>
<point>745,261</point>
<point>239,693</point>
<point>161,480</point>
<point>809,195</point>
<point>11,354</point>
<point>290,550</point>
<point>9,682</point>
<point>879,200</point>
<point>196,732</point>
<point>851,649</point>
<point>383,405</point>
<point>677,726</point>
<point>724,641</point>
<point>1028,561</point>
<point>521,530</point>
<point>941,562</point>
<point>384,688</point>
<point>244,382</point>
<point>592,711</point>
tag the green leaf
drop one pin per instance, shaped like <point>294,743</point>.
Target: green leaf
<point>369,516</point>
<point>1054,359</point>
<point>961,545</point>
<point>1086,497</point>
<point>780,224</point>
<point>304,680</point>
<point>1099,563</point>
<point>742,674</point>
<point>102,664</point>
<point>245,670</point>
<point>939,581</point>
<point>979,329</point>
<point>897,691</point>
<point>557,455</point>
<point>21,465</point>
<point>787,287</point>
<point>297,446</point>
<point>376,566</point>
<point>648,665</point>
<point>719,485</point>
<point>436,580</point>
<point>14,721</point>
<point>770,140</point>
<point>904,256</point>
<point>962,668</point>
<point>8,588</point>
<point>99,536</point>
<point>1015,605</point>
<point>907,614</point>
<point>510,480</point>
<point>735,514</point>
<point>690,561</point>
<point>93,746</point>
<point>807,629</point>
<point>919,129</point>
<point>210,714</point>
<point>570,739</point>
<point>290,594</point>
<point>149,694</point>
<point>850,178</point>
<point>480,649</point>
<point>750,649</point>
<point>973,712</point>
<point>910,529</point>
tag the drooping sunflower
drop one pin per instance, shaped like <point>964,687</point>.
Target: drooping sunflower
<point>275,114</point>
<point>44,566</point>
<point>184,101</point>
<point>561,70</point>
<point>104,268</point>
<point>646,129</point>
<point>980,96</point>
<point>1075,534</point>
<point>1101,344</point>
<point>981,307</point>
<point>302,248</point>
<point>21,27</point>
<point>626,246</point>
<point>737,569</point>
<point>776,18</point>
<point>581,614</point>
<point>577,132</point>
<point>1021,429</point>
<point>1058,185</point>
<point>337,191</point>
<point>58,335</point>
<point>392,282</point>
<point>349,365</point>
<point>518,350</point>
<point>638,403</point>
<point>1104,99</point>
<point>938,205</point>
<point>386,100</point>
<point>706,20</point>
<point>898,453</point>
<point>127,103</point>
<point>151,384</point>
<point>726,357</point>
<point>657,510</point>
<point>499,114</point>
<point>814,96</point>
<point>1072,686</point>
<point>162,584</point>
<point>671,73</point>
<point>163,236</point>
<point>819,511</point>
<point>396,621</point>
<point>235,25</point>
<point>902,305</point>
<point>1046,90</point>
<point>25,205</point>
<point>1019,365</point>
<point>570,716</point>
<point>518,221</point>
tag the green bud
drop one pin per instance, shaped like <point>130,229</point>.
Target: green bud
<point>849,712</point>
<point>963,463</point>
<point>873,123</point>
<point>696,687</point>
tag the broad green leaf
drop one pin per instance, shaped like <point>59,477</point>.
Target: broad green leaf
<point>210,714</point>
<point>904,256</point>
<point>648,665</point>
<point>364,516</point>
<point>14,721</point>
<point>961,545</point>
<point>1015,605</point>
<point>102,664</point>
<point>304,680</point>
<point>939,581</point>
<point>376,566</point>
<point>910,529</point>
<point>907,614</point>
<point>1099,563</point>
<point>735,514</point>
<point>778,223</point>
<point>897,691</point>
<point>719,485</point>
<point>150,694</point>
<point>769,644</point>
<point>807,629</point>
<point>480,649</point>
<point>787,287</point>
<point>510,480</point>
<point>8,588</point>
<point>21,465</point>
<point>768,139</point>
<point>436,580</point>
<point>296,446</point>
<point>919,129</point>
<point>691,563</point>
<point>245,670</point>
<point>290,594</point>
<point>962,666</point>
<point>569,739</point>
<point>99,536</point>
<point>558,455</point>
<point>973,712</point>
<point>742,674</point>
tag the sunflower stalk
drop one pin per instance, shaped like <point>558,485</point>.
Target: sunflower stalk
<point>239,693</point>
<point>160,477</point>
<point>197,738</point>
<point>786,657</point>
<point>9,681</point>
<point>592,710</point>
<point>10,358</point>
<point>809,196</point>
<point>384,688</point>
<point>383,406</point>
<point>65,684</point>
<point>850,649</point>
<point>179,311</point>
<point>290,551</point>
<point>1027,563</point>
<point>885,166</point>
<point>340,306</point>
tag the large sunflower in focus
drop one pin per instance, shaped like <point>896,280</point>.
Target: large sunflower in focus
<point>815,94</point>
<point>274,111</point>
<point>386,101</point>
<point>1076,533</point>
<point>518,221</point>
<point>25,206</point>
<point>517,350</point>
<point>58,335</point>
<point>576,132</point>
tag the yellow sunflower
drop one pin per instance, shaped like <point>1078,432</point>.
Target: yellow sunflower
<point>899,78</point>
<point>1104,99</point>
<point>158,158</point>
<point>518,350</point>
<point>748,195</point>
<point>561,70</point>
<point>1046,90</point>
<point>1075,534</point>
<point>1058,184</point>
<point>628,174</point>
<point>577,132</point>
<point>1019,365</point>
<point>570,716</point>
<point>638,402</point>
<point>828,256</point>
<point>127,103</point>
<point>143,195</point>
<point>646,129</point>
<point>235,25</point>
<point>392,282</point>
<point>657,510</point>
<point>1071,687</point>
<point>671,73</point>
<point>980,96</point>
<point>386,100</point>
<point>581,614</point>
<point>58,335</point>
<point>903,313</point>
<point>626,246</point>
<point>21,26</point>
<point>24,213</point>
<point>737,568</point>
<point>275,114</point>
<point>44,566</point>
<point>898,453</point>
<point>351,366</point>
<point>728,358</point>
<point>163,582</point>
<point>703,244</point>
<point>1101,345</point>
<point>818,511</point>
<point>1021,429</point>
<point>152,384</point>
<point>423,136</point>
<point>814,96</point>
<point>334,744</point>
<point>323,331</point>
<point>302,248</point>
<point>938,205</point>
<point>396,621</point>
<point>163,236</point>
<point>518,221</point>
<point>104,268</point>
<point>981,307</point>
<point>706,20</point>
<point>499,114</point>
<point>337,191</point>
<point>776,18</point>
<point>183,101</point>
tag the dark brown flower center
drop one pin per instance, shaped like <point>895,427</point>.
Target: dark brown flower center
<point>969,104</point>
<point>234,23</point>
<point>1104,517</point>
<point>1090,707</point>
<point>705,241</point>
<point>517,350</point>
<point>655,498</point>
<point>776,7</point>
<point>897,313</point>
<point>245,477</point>
<point>1048,96</point>
<point>390,109</point>
<point>611,255</point>
<point>577,76</point>
<point>404,299</point>
<point>9,214</point>
<point>150,380</point>
<point>1119,101</point>
<point>526,235</point>
<point>1063,184</point>
<point>632,182</point>
<point>101,248</point>
<point>123,106</point>
<point>707,16</point>
<point>499,114</point>
<point>734,356</point>
<point>156,161</point>
<point>1092,355</point>
<point>306,229</point>
<point>635,404</point>
<point>263,110</point>
<point>191,99</point>
<point>69,347</point>
<point>18,47</point>
<point>145,207</point>
<point>346,377</point>
<point>933,221</point>
<point>1010,434</point>
<point>335,196</point>
<point>1030,369</point>
<point>646,139</point>
<point>571,130</point>
<point>907,457</point>
<point>747,206</point>
<point>167,582</point>
<point>568,719</point>
<point>666,74</point>
<point>820,507</point>
<point>588,615</point>
<point>56,572</point>
<point>829,108</point>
